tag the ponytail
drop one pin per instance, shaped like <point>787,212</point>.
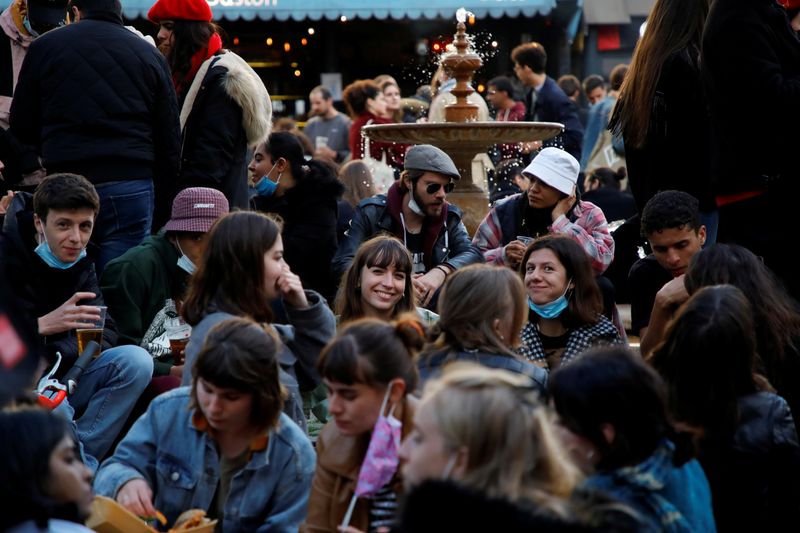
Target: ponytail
<point>374,352</point>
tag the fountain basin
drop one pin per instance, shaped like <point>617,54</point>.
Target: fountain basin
<point>462,141</point>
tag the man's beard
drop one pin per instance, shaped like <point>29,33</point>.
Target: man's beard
<point>427,208</point>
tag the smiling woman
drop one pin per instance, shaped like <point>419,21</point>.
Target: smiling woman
<point>565,303</point>
<point>378,282</point>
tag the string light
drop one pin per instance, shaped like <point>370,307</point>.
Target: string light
<point>304,41</point>
<point>235,41</point>
<point>311,31</point>
<point>287,47</point>
<point>297,73</point>
<point>269,41</point>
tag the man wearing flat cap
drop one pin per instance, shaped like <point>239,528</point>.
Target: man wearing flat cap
<point>416,211</point>
<point>550,205</point>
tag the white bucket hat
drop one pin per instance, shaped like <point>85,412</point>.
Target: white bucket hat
<point>556,168</point>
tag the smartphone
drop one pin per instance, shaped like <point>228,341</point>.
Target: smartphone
<point>524,239</point>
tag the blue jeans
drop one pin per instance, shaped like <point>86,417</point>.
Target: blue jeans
<point>106,395</point>
<point>125,218</point>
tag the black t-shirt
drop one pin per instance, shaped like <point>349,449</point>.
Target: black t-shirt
<point>645,279</point>
<point>414,243</point>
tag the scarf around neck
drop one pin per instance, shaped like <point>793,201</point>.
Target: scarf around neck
<point>214,46</point>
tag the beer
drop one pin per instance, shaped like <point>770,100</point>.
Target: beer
<point>89,334</point>
<point>177,346</point>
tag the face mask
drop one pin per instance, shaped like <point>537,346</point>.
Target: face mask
<point>27,23</point>
<point>414,206</point>
<point>382,457</point>
<point>266,187</point>
<point>47,255</point>
<point>551,309</point>
<point>448,468</point>
<point>184,262</point>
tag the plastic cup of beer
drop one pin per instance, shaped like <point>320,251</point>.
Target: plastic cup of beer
<point>92,331</point>
<point>178,333</point>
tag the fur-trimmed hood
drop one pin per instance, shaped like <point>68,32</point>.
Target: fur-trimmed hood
<point>244,87</point>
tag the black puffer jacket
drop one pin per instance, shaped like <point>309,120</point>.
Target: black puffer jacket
<point>97,100</point>
<point>309,212</point>
<point>755,477</point>
<point>39,288</point>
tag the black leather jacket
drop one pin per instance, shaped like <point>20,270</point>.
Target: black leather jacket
<point>371,217</point>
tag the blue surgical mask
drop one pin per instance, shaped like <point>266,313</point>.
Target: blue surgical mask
<point>551,309</point>
<point>266,187</point>
<point>27,23</point>
<point>184,263</point>
<point>47,255</point>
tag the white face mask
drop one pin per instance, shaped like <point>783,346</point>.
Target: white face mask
<point>184,262</point>
<point>448,468</point>
<point>413,205</point>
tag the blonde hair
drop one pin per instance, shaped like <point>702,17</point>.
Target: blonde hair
<point>357,179</point>
<point>512,449</point>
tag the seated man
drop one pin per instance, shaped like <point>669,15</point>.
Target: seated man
<point>548,206</point>
<point>671,223</point>
<point>142,286</point>
<point>415,210</point>
<point>44,251</point>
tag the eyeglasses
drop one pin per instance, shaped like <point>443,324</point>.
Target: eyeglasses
<point>433,188</point>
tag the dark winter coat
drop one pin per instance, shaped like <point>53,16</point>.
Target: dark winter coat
<point>751,63</point>
<point>677,151</point>
<point>97,100</point>
<point>755,477</point>
<point>552,105</point>
<point>309,214</point>
<point>39,288</point>
<point>225,110</point>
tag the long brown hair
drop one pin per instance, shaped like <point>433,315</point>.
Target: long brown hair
<point>586,302</point>
<point>474,297</point>
<point>672,25</point>
<point>381,251</point>
<point>230,276</point>
<point>357,179</point>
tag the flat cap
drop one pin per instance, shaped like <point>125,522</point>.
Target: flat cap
<point>428,158</point>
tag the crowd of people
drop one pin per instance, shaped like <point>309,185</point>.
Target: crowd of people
<point>297,331</point>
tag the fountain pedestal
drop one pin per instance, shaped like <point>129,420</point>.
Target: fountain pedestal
<point>462,141</point>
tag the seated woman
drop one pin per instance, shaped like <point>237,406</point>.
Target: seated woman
<point>775,314</point>
<point>45,485</point>
<point>565,303</point>
<point>221,445</point>
<point>745,434</point>
<point>369,371</point>
<point>482,309</point>
<point>241,272</point>
<point>613,414</point>
<point>304,194</point>
<point>486,432</point>
<point>378,283</point>
<point>394,108</point>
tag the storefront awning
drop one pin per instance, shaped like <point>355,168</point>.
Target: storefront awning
<point>362,9</point>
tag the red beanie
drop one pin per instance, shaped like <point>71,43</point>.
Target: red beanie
<point>790,4</point>
<point>180,10</point>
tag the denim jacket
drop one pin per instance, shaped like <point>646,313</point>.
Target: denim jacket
<point>181,465</point>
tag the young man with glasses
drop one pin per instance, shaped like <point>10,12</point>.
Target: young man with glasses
<point>416,211</point>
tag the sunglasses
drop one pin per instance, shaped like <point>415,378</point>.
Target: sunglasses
<point>433,188</point>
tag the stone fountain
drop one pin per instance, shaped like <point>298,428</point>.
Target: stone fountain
<point>462,136</point>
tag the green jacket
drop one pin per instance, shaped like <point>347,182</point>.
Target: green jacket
<point>136,285</point>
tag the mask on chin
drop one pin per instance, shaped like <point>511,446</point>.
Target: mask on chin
<point>413,205</point>
<point>551,309</point>
<point>265,186</point>
<point>51,260</point>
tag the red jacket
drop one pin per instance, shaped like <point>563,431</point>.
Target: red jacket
<point>395,152</point>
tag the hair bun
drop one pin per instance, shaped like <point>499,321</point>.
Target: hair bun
<point>410,331</point>
<point>620,173</point>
